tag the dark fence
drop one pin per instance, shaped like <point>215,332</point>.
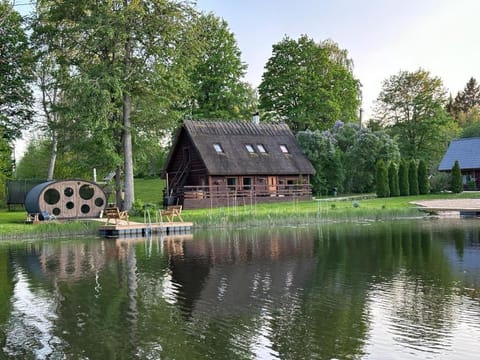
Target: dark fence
<point>17,190</point>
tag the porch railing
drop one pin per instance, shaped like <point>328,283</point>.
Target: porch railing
<point>212,192</point>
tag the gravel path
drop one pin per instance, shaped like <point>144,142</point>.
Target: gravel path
<point>452,204</point>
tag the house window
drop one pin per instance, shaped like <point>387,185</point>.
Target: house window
<point>247,183</point>
<point>250,148</point>
<point>284,149</point>
<point>232,183</point>
<point>218,148</point>
<point>261,149</point>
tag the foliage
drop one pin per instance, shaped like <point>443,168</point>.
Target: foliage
<point>413,178</point>
<point>320,148</point>
<point>411,107</point>
<point>217,89</point>
<point>309,85</point>
<point>16,63</point>
<point>472,130</point>
<point>423,183</point>
<point>440,182</point>
<point>361,149</point>
<point>465,101</point>
<point>382,187</point>
<point>403,179</point>
<point>456,180</point>
<point>122,58</point>
<point>393,179</point>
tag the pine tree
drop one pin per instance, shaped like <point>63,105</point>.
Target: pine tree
<point>393,179</point>
<point>457,185</point>
<point>382,179</point>
<point>413,177</point>
<point>423,183</point>
<point>403,179</point>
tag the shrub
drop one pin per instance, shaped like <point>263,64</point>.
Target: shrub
<point>439,182</point>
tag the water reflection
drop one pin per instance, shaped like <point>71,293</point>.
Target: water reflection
<point>348,291</point>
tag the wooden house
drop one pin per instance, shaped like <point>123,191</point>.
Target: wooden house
<point>467,152</point>
<point>214,163</point>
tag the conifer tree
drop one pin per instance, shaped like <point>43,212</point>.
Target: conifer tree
<point>382,179</point>
<point>423,183</point>
<point>403,179</point>
<point>393,180</point>
<point>413,177</point>
<point>457,186</point>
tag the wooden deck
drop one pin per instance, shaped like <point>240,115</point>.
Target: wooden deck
<point>135,229</point>
<point>451,207</point>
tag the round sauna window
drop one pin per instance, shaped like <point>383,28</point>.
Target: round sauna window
<point>56,211</point>
<point>99,202</point>
<point>85,209</point>
<point>51,196</point>
<point>70,205</point>
<point>86,192</point>
<point>68,191</point>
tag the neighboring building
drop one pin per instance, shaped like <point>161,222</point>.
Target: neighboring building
<point>467,152</point>
<point>215,163</point>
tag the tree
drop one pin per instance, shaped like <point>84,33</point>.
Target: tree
<point>16,63</point>
<point>319,148</point>
<point>118,54</point>
<point>456,182</point>
<point>411,107</point>
<point>423,183</point>
<point>465,100</point>
<point>393,179</point>
<point>413,178</point>
<point>217,89</point>
<point>382,188</point>
<point>403,179</point>
<point>309,85</point>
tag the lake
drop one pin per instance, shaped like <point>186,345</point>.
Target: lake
<point>373,290</point>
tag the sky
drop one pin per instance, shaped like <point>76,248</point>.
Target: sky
<point>382,37</point>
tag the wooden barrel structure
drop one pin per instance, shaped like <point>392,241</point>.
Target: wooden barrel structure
<point>66,199</point>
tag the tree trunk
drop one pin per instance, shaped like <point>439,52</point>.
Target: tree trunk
<point>127,131</point>
<point>53,156</point>
<point>118,187</point>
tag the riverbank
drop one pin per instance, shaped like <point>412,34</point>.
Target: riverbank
<point>295,213</point>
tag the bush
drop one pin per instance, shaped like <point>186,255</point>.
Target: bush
<point>439,182</point>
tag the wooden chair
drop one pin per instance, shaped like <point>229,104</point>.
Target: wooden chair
<point>113,213</point>
<point>172,212</point>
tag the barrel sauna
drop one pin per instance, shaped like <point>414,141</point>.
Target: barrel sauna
<point>66,199</point>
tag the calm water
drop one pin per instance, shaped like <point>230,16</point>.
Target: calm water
<point>394,290</point>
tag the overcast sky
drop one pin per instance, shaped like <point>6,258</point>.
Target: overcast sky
<point>382,37</point>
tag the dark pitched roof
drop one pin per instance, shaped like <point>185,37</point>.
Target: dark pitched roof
<point>466,151</point>
<point>235,159</point>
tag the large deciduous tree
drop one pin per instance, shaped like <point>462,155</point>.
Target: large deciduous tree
<point>216,77</point>
<point>411,105</point>
<point>16,64</point>
<point>309,85</point>
<point>120,56</point>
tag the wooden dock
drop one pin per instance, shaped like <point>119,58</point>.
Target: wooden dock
<point>451,207</point>
<point>134,229</point>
